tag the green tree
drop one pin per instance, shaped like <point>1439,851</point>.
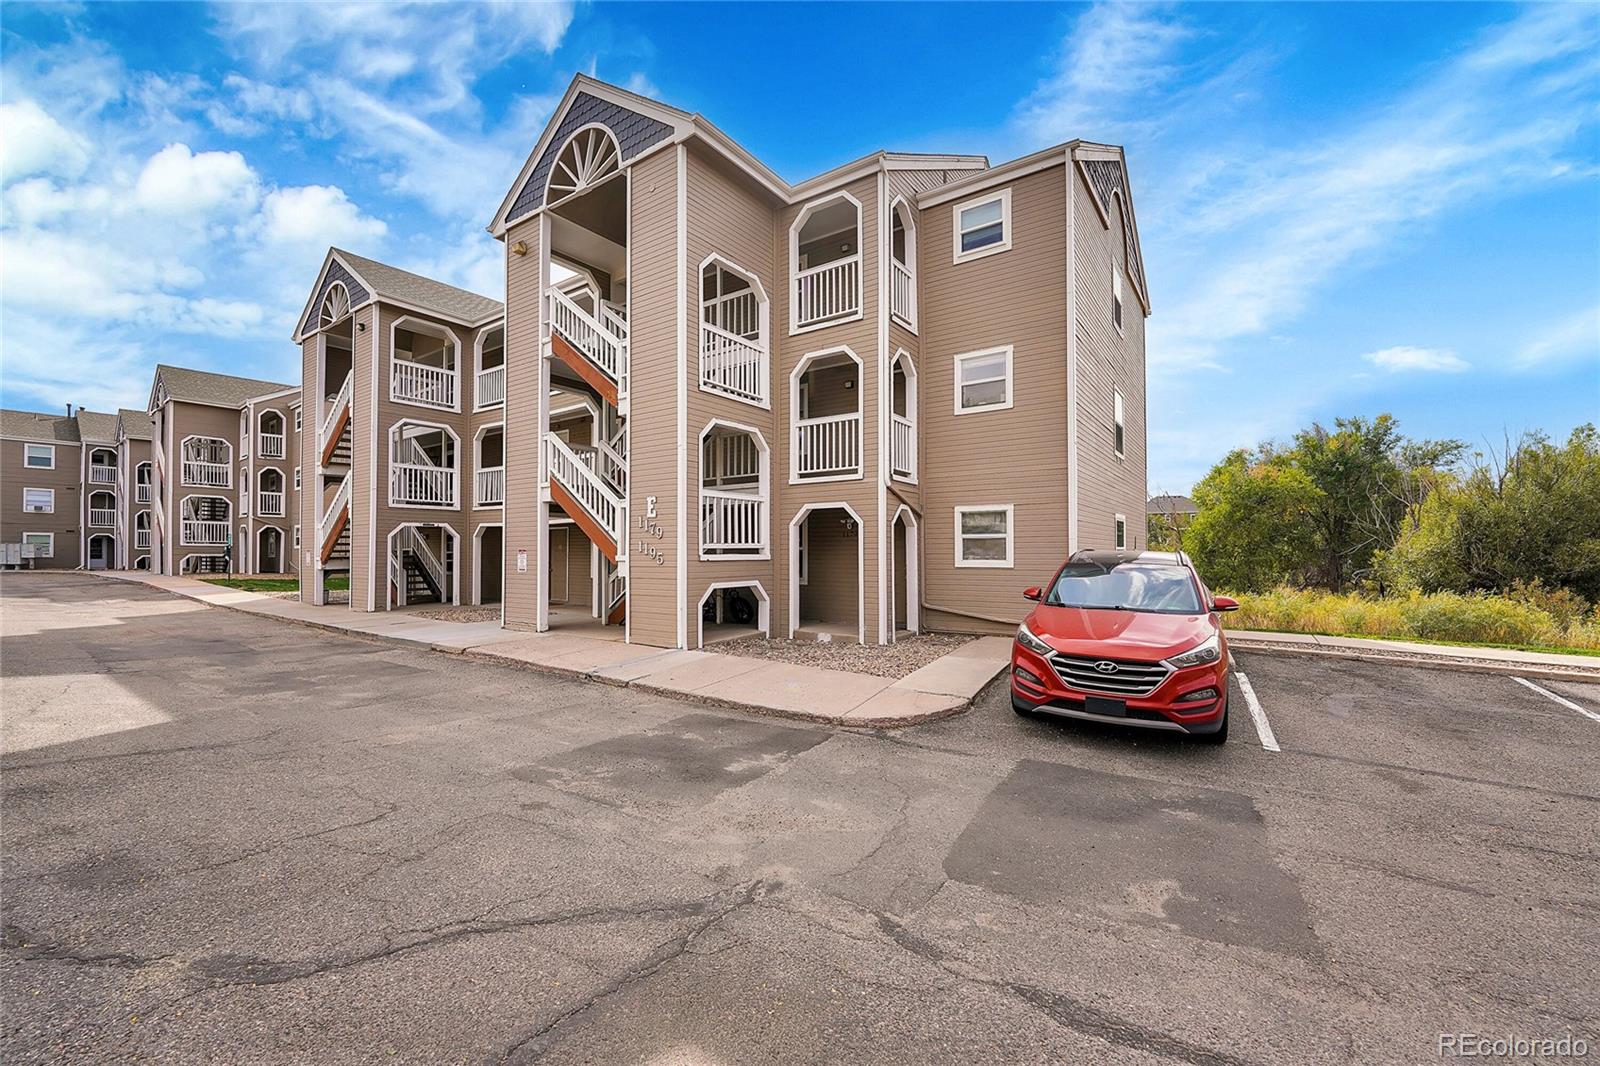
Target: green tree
<point>1530,516</point>
<point>1255,526</point>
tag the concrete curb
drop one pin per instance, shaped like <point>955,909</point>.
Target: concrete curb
<point>842,721</point>
<point>1529,670</point>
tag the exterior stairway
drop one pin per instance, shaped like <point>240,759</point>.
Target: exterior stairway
<point>589,500</point>
<point>335,431</point>
<point>419,583</point>
<point>591,349</point>
<point>334,528</point>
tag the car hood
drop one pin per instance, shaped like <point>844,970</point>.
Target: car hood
<point>1119,634</point>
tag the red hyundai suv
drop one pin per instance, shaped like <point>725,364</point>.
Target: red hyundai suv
<point>1127,638</point>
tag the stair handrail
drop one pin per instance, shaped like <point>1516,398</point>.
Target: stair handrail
<point>613,466</point>
<point>612,349</point>
<point>430,562</point>
<point>603,502</point>
<point>616,318</point>
<point>341,497</point>
<point>340,400</point>
<point>616,587</point>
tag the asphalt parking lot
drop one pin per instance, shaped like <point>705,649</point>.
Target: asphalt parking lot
<point>232,840</point>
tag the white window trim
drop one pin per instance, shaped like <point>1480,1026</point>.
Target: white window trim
<point>1119,531</point>
<point>1118,422</point>
<point>228,462</point>
<point>394,439</point>
<point>49,554</point>
<point>28,447</point>
<point>794,265</point>
<point>297,537</point>
<point>763,333</point>
<point>49,510</point>
<point>432,329</point>
<point>901,356</point>
<point>297,420</point>
<point>1011,536</point>
<point>1009,379</point>
<point>1003,245</point>
<point>477,364</point>
<point>297,479</point>
<point>797,384</point>
<point>763,484</point>
<point>1119,306</point>
<point>910,224</point>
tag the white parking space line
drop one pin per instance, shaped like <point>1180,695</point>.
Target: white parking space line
<point>1525,683</point>
<point>1263,727</point>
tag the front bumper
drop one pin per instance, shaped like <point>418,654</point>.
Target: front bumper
<point>1036,687</point>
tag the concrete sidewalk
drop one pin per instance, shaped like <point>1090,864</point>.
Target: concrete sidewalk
<point>944,687</point>
<point>1494,660</point>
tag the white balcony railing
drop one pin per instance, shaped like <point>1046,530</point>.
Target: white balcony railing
<point>272,446</point>
<point>904,296</point>
<point>492,386</point>
<point>732,365</point>
<point>598,344</point>
<point>732,521</point>
<point>102,516</point>
<point>207,475</point>
<point>491,491</point>
<point>603,503</point>
<point>829,291</point>
<point>420,383</point>
<point>827,447</point>
<point>203,533</point>
<point>421,485</point>
<point>341,400</point>
<point>141,539</point>
<point>271,505</point>
<point>141,493</point>
<point>903,447</point>
<point>102,475</point>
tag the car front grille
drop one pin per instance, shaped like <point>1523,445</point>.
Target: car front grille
<point>1126,679</point>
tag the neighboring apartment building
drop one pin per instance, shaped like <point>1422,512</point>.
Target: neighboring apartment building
<point>403,398</point>
<point>269,482</point>
<point>98,543</point>
<point>135,490</point>
<point>886,398</point>
<point>42,459</point>
<point>207,480</point>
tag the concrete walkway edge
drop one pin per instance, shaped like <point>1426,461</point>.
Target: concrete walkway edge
<point>945,687</point>
<point>1551,665</point>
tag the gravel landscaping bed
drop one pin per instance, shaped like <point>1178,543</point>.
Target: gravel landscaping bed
<point>893,660</point>
<point>462,614</point>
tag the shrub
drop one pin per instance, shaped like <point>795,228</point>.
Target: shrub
<point>1479,619</point>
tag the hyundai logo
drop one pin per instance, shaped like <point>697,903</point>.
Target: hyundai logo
<point>1106,666</point>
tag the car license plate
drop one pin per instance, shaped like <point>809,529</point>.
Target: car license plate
<point>1108,707</point>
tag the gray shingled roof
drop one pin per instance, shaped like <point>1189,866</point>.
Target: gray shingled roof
<point>1171,504</point>
<point>30,425</point>
<point>224,390</point>
<point>402,286</point>
<point>136,425</point>
<point>94,425</point>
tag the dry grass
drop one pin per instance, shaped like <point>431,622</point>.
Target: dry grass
<point>1446,617</point>
<point>890,660</point>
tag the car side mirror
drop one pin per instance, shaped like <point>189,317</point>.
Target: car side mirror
<point>1224,603</point>
<point>1034,593</point>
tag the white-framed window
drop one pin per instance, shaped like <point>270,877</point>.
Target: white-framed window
<point>1120,531</point>
<point>983,535</point>
<point>44,544</point>
<point>1119,434</point>
<point>296,538</point>
<point>297,479</point>
<point>982,225</point>
<point>39,501</point>
<point>297,420</point>
<point>983,380</point>
<point>39,456</point>
<point>1116,298</point>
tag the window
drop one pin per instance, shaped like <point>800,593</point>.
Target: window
<point>983,380</point>
<point>297,420</point>
<point>44,544</point>
<point>983,226</point>
<point>297,479</point>
<point>1121,534</point>
<point>1118,433</point>
<point>983,535</point>
<point>1116,298</point>
<point>296,538</point>
<point>39,456</point>
<point>39,501</point>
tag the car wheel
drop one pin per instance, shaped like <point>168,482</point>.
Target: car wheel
<point>1221,735</point>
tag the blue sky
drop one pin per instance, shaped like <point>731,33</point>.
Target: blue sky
<point>1346,209</point>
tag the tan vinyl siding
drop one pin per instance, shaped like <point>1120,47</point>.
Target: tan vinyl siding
<point>199,420</point>
<point>366,451</point>
<point>64,521</point>
<point>522,432</point>
<point>1016,456</point>
<point>130,454</point>
<point>309,506</point>
<point>653,393</point>
<point>1107,485</point>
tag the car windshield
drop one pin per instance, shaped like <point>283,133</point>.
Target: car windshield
<point>1127,586</point>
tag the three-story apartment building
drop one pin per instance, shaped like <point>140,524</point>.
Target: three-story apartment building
<point>403,402</point>
<point>135,490</point>
<point>886,398</point>
<point>42,507</point>
<point>204,481</point>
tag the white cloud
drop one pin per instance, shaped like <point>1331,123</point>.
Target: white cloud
<point>177,181</point>
<point>35,143</point>
<point>317,215</point>
<point>1404,358</point>
<point>1573,337</point>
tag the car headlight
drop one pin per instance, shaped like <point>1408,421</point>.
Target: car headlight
<point>1208,651</point>
<point>1027,639</point>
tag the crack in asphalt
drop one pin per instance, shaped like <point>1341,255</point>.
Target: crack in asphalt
<point>659,957</point>
<point>33,947</point>
<point>12,767</point>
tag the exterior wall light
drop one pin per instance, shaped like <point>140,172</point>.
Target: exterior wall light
<point>520,248</point>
